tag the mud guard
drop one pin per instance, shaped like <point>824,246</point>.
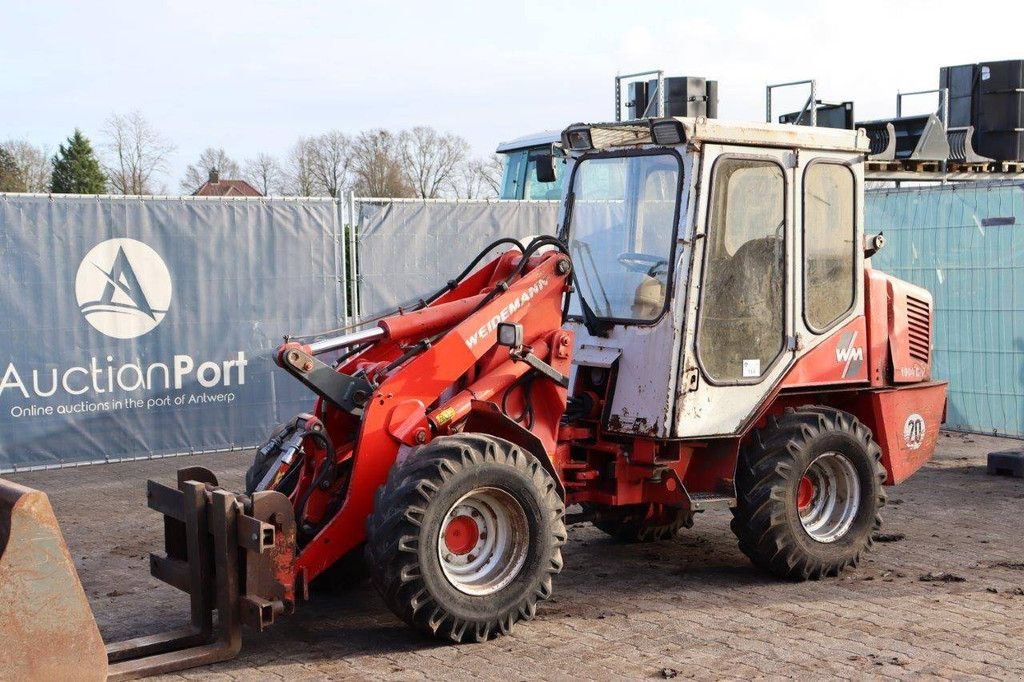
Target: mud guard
<point>486,417</point>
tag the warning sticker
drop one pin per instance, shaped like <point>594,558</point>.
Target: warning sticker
<point>445,416</point>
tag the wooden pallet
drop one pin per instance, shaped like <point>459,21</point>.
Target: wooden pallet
<point>1009,166</point>
<point>883,166</point>
<point>922,166</point>
<point>960,167</point>
<point>929,171</point>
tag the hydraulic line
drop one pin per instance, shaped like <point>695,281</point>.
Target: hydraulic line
<point>424,302</point>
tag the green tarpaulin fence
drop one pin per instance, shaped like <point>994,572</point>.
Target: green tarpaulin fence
<point>965,244</point>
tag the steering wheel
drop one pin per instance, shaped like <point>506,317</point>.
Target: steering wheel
<point>642,262</point>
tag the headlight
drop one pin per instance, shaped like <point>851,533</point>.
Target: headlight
<point>578,139</point>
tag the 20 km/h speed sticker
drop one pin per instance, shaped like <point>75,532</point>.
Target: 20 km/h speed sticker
<point>913,431</point>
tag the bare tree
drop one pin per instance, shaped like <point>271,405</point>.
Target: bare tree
<point>265,174</point>
<point>137,153</point>
<point>477,178</point>
<point>300,179</point>
<point>491,170</point>
<point>430,159</point>
<point>330,159</point>
<point>212,159</point>
<point>9,181</point>
<point>377,165</point>
<point>33,166</point>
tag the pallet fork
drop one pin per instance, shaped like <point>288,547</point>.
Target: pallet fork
<point>232,554</point>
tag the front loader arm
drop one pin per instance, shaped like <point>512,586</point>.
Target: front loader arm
<point>425,369</point>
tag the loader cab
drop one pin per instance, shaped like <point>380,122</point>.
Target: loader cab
<point>519,179</point>
<point>724,253</point>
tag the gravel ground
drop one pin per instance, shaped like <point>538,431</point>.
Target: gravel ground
<point>943,596</point>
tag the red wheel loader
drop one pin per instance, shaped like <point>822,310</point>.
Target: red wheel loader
<point>704,332</point>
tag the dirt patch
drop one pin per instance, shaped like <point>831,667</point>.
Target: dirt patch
<point>936,577</point>
<point>1012,565</point>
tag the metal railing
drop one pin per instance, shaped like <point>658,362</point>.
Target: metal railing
<point>810,106</point>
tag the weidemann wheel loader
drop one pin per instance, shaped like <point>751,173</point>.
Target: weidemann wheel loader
<point>704,332</point>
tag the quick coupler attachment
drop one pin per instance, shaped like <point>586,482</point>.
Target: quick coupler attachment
<point>232,554</point>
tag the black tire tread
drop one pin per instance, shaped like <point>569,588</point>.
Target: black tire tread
<point>761,480</point>
<point>392,530</point>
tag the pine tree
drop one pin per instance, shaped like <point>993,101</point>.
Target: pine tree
<point>76,169</point>
<point>9,181</point>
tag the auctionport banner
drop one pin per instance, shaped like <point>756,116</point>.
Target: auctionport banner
<point>135,327</point>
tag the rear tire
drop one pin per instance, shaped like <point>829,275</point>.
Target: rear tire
<point>809,492</point>
<point>642,522</point>
<point>465,537</point>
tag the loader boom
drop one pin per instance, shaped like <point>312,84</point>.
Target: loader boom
<point>426,368</point>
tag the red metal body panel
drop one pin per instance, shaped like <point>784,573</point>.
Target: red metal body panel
<point>839,359</point>
<point>906,422</point>
<point>909,331</point>
<point>876,314</point>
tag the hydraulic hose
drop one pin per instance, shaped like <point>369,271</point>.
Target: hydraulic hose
<point>424,302</point>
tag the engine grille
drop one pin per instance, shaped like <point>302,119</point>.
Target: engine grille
<point>919,322</point>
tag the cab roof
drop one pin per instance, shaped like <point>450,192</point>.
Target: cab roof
<point>546,137</point>
<point>699,130</point>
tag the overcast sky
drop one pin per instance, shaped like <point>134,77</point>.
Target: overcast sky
<point>253,76</point>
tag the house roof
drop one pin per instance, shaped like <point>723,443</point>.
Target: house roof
<point>227,188</point>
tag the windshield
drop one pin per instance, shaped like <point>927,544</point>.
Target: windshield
<point>621,233</point>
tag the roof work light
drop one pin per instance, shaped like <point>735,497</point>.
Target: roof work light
<point>577,138</point>
<point>667,131</point>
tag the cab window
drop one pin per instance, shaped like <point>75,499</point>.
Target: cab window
<point>621,233</point>
<point>829,244</point>
<point>512,178</point>
<point>742,314</point>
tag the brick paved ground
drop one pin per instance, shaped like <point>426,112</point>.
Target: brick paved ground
<point>692,605</point>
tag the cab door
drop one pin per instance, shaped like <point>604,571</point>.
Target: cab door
<point>740,330</point>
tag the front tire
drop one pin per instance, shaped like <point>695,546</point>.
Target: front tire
<point>809,492</point>
<point>465,537</point>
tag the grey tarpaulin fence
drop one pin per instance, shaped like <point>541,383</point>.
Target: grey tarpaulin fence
<point>409,248</point>
<point>136,327</point>
<point>144,326</point>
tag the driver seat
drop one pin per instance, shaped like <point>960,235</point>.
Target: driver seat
<point>649,298</point>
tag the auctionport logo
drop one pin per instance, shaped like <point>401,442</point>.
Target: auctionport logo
<point>123,288</point>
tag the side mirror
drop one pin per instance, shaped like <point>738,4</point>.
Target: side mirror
<point>545,165</point>
<point>873,244</point>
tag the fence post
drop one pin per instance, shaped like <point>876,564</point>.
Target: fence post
<point>341,254</point>
<point>353,266</point>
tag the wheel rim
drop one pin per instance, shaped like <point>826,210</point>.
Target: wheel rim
<point>483,541</point>
<point>828,497</point>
